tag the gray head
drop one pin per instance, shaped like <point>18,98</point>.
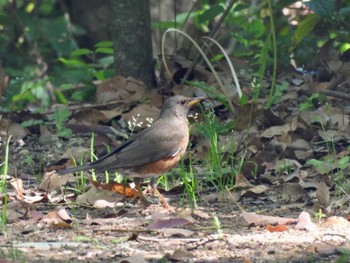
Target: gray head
<point>178,106</point>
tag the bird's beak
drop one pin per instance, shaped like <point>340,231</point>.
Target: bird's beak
<point>194,101</point>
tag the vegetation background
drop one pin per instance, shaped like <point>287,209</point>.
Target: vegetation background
<point>279,148</point>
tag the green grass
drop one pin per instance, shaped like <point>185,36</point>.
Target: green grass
<point>220,159</point>
<point>10,253</point>
<point>3,187</point>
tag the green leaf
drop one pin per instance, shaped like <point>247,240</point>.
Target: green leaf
<point>343,162</point>
<point>30,123</point>
<point>104,44</point>
<point>165,25</point>
<point>321,167</point>
<point>106,61</point>
<point>104,50</point>
<point>305,28</point>
<point>71,62</point>
<point>211,13</point>
<point>81,51</point>
<point>100,75</point>
<point>344,11</point>
<point>324,8</point>
<point>243,100</point>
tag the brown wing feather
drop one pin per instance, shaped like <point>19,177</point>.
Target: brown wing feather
<point>146,147</point>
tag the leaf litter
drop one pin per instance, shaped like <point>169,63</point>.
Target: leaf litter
<point>282,187</point>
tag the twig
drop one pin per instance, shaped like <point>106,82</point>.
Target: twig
<point>211,35</point>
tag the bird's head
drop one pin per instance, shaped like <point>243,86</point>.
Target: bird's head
<point>178,106</point>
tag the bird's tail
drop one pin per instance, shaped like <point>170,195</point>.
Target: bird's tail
<point>75,169</point>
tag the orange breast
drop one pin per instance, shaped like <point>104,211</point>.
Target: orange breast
<point>158,167</point>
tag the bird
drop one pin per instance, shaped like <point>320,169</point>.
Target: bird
<point>151,152</point>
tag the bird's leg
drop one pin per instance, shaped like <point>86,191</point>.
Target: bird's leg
<point>156,191</point>
<point>138,182</point>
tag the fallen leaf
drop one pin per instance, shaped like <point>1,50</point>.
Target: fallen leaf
<point>52,181</point>
<point>242,182</point>
<point>142,115</point>
<point>103,204</point>
<point>56,219</point>
<point>262,220</point>
<point>169,223</point>
<point>17,184</point>
<point>257,190</point>
<point>178,232</point>
<point>94,194</point>
<point>278,228</point>
<point>119,88</point>
<point>8,128</point>
<point>279,130</point>
<point>123,189</point>
<point>322,249</point>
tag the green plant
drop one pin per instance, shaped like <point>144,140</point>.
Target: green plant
<point>312,102</point>
<point>331,163</point>
<point>219,159</point>
<point>190,181</point>
<point>86,65</point>
<point>3,186</point>
<point>60,116</point>
<point>10,253</point>
<point>345,255</point>
<point>338,167</point>
<point>218,227</point>
<point>319,215</point>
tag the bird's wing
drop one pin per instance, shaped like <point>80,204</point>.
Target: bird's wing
<point>145,147</point>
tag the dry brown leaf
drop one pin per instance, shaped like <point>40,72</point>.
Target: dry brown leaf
<point>141,114</point>
<point>278,228</point>
<point>17,184</point>
<point>93,116</point>
<point>28,198</point>
<point>103,204</point>
<point>56,219</point>
<point>35,198</point>
<point>256,189</point>
<point>122,189</point>
<point>178,232</point>
<point>8,128</point>
<point>169,223</point>
<point>94,194</point>
<point>262,220</point>
<point>322,249</point>
<point>117,88</point>
<point>242,182</point>
<point>52,181</point>
<point>246,260</point>
<point>280,130</point>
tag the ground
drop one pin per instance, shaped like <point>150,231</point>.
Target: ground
<point>291,205</point>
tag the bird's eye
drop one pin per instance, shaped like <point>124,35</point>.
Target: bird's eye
<point>183,102</point>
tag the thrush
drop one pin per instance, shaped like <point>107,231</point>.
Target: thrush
<point>151,152</point>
